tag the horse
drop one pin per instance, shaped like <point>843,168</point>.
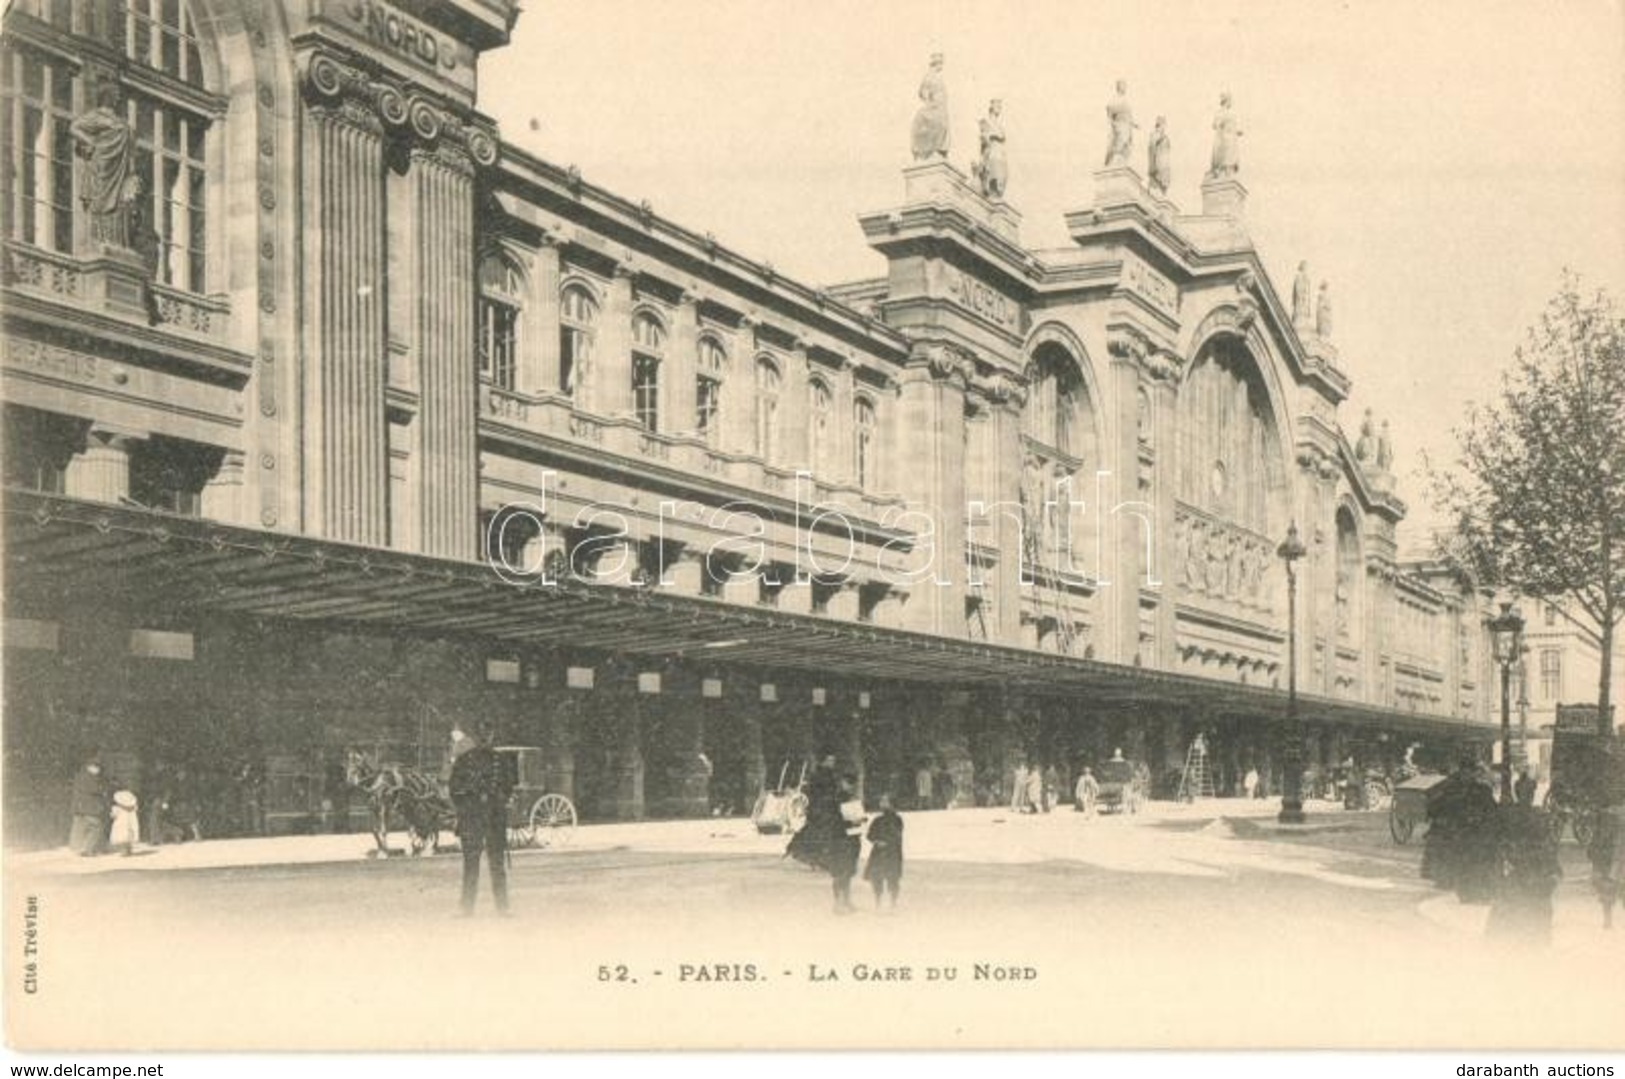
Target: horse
<point>406,793</point>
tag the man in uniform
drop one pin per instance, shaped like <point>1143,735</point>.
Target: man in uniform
<point>480,788</point>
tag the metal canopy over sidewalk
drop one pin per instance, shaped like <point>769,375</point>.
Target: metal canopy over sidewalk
<point>62,551</point>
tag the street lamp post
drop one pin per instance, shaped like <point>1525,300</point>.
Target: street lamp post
<point>1289,552</point>
<point>1508,631</point>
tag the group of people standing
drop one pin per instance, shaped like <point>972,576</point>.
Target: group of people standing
<point>105,813</point>
<point>832,837</point>
<point>1506,855</point>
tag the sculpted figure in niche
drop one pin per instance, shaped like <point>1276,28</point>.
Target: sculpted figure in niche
<point>1385,449</point>
<point>1195,561</point>
<point>112,186</point>
<point>930,134</point>
<point>1215,563</point>
<point>993,170</point>
<point>1226,141</point>
<point>1121,117</point>
<point>1365,450</point>
<point>1302,297</point>
<point>1323,311</point>
<point>1232,569</point>
<point>1159,158</point>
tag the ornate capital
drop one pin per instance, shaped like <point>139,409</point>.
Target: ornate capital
<point>365,98</point>
<point>945,362</point>
<point>1004,389</point>
<point>1159,364</point>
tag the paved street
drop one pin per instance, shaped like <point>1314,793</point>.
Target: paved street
<point>1189,925</point>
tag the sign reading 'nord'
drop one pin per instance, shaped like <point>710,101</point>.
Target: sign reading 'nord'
<point>405,36</point>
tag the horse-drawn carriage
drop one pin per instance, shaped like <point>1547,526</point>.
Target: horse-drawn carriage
<point>1122,787</point>
<point>1588,772</point>
<point>402,795</point>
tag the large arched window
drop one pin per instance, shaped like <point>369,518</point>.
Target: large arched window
<point>865,446</point>
<point>768,383</point>
<point>578,313</point>
<point>1350,571</point>
<point>1229,456</point>
<point>648,351</point>
<point>711,367</point>
<point>1053,399</point>
<point>501,288</point>
<point>820,426</point>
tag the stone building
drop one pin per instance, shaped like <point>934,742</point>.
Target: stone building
<point>333,420</point>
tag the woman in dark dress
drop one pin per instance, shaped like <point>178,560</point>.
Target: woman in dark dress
<point>885,869</point>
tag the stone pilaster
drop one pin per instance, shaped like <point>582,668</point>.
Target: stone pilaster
<point>738,434</point>
<point>346,449</point>
<point>931,432</point>
<point>224,495</point>
<point>1007,396</point>
<point>677,380</point>
<point>1122,534</point>
<point>611,374</point>
<point>101,471</point>
<point>842,465</point>
<point>1164,419</point>
<point>447,461</point>
<point>795,409</point>
<point>539,344</point>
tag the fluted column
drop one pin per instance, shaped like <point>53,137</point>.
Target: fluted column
<point>677,380</point>
<point>1002,508</point>
<point>447,474</point>
<point>539,343</point>
<point>346,451</point>
<point>101,471</point>
<point>612,358</point>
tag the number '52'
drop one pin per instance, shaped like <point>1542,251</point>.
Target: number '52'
<point>617,973</point>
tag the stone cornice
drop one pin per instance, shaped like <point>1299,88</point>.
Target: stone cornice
<point>398,108</point>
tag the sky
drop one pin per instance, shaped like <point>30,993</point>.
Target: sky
<point>1439,163</point>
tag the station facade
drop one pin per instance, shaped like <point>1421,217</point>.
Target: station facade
<point>329,307</point>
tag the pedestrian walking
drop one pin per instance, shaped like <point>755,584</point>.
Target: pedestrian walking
<point>1521,911</point>
<point>1524,789</point>
<point>1035,790</point>
<point>1607,854</point>
<point>847,845</point>
<point>1018,791</point>
<point>1249,784</point>
<point>1087,793</point>
<point>1052,788</point>
<point>480,789</point>
<point>124,830</point>
<point>88,833</point>
<point>885,869</point>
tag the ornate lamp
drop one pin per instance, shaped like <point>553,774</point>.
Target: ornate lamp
<point>1507,630</point>
<point>1290,550</point>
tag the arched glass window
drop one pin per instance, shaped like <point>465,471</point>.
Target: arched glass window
<point>1053,398</point>
<point>712,365</point>
<point>648,349</point>
<point>768,383</point>
<point>578,312</point>
<point>501,286</point>
<point>821,435</point>
<point>865,447</point>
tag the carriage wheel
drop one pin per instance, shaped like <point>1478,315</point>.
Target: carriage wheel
<point>552,821</point>
<point>521,837</point>
<point>1400,826</point>
<point>1376,795</point>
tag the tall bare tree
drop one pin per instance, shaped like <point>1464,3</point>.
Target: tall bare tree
<point>1538,500</point>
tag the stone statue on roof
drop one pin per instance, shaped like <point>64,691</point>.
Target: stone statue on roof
<point>1121,117</point>
<point>1226,141</point>
<point>930,133</point>
<point>1323,312</point>
<point>1385,450</point>
<point>1302,298</point>
<point>1159,158</point>
<point>993,170</point>
<point>1365,450</point>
